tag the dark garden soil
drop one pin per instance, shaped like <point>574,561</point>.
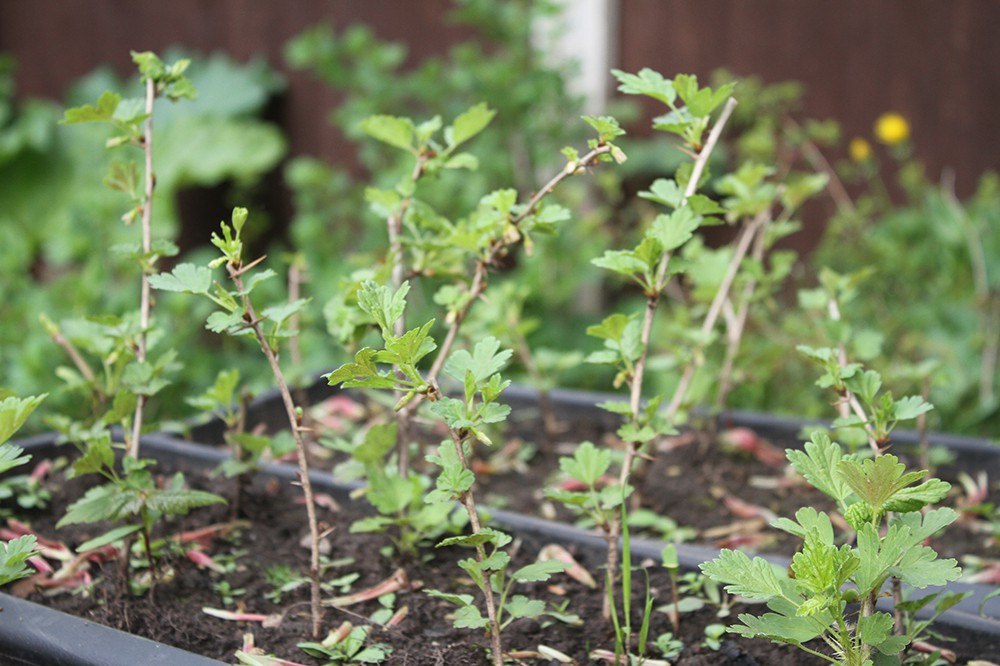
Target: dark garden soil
<point>725,497</point>
<point>272,536</point>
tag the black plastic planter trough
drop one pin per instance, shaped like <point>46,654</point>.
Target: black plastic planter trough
<point>33,634</point>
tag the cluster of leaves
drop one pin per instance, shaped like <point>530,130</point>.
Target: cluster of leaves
<point>14,554</point>
<point>131,495</point>
<point>812,602</point>
<point>399,498</point>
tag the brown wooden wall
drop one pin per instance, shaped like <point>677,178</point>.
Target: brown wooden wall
<point>57,41</point>
<point>937,63</point>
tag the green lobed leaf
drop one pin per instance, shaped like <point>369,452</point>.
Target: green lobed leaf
<point>14,412</point>
<point>818,464</point>
<point>588,463</point>
<point>753,579</point>
<point>539,571</point>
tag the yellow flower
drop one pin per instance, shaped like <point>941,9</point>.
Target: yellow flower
<point>859,149</point>
<point>892,128</point>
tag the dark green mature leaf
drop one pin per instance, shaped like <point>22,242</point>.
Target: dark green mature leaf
<point>178,501</point>
<point>877,480</point>
<point>103,502</point>
<point>111,536</point>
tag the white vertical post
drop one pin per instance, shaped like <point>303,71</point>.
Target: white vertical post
<point>585,33</point>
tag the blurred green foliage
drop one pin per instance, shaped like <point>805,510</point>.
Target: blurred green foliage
<point>60,222</point>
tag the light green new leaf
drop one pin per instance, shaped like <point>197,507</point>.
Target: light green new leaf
<point>646,82</point>
<point>14,556</point>
<point>910,407</point>
<point>485,360</point>
<point>14,412</point>
<point>521,606</point>
<point>818,464</point>
<point>392,130</point>
<point>468,124</point>
<point>185,278</point>
<point>460,600</point>
<point>588,463</point>
<point>809,519</point>
<point>607,127</point>
<point>10,457</point>
<point>469,617</point>
<point>664,191</point>
<point>675,229</point>
<point>103,111</point>
<point>383,304</point>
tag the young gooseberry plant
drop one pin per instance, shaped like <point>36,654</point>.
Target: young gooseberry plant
<point>423,243</point>
<point>131,496</point>
<point>129,378</point>
<point>466,419</point>
<point>132,120</point>
<point>225,400</point>
<point>238,316</point>
<point>14,554</point>
<point>888,509</point>
<point>626,337</point>
<point>884,504</point>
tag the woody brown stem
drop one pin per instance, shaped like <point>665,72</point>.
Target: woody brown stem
<point>253,323</point>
